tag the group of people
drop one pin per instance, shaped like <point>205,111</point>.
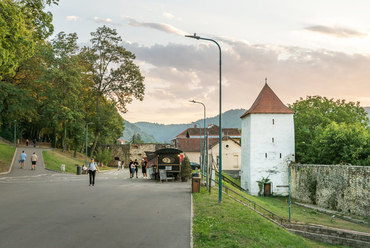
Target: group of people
<point>134,168</point>
<point>34,160</point>
<point>33,141</point>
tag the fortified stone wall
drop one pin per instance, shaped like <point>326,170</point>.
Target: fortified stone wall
<point>129,152</point>
<point>338,187</point>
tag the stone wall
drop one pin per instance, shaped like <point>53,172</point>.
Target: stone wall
<point>129,152</point>
<point>338,187</point>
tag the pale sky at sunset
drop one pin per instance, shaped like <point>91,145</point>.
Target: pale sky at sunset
<point>302,47</point>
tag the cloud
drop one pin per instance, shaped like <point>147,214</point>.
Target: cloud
<point>158,26</point>
<point>72,18</point>
<point>104,21</point>
<point>176,73</point>
<point>337,31</point>
<point>168,15</point>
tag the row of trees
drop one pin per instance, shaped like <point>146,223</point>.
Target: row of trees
<point>53,88</point>
<point>331,132</point>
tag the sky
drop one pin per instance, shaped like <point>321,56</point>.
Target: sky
<point>303,48</point>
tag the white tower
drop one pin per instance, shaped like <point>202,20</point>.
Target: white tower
<point>267,144</point>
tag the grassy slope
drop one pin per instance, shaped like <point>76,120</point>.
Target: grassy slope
<point>280,206</point>
<point>232,225</point>
<point>53,159</point>
<point>6,156</point>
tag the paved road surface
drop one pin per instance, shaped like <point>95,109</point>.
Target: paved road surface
<point>47,209</point>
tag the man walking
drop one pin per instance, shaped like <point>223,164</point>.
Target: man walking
<point>93,167</point>
<point>23,158</point>
<point>34,160</point>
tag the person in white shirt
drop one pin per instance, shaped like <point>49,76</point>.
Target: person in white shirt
<point>34,160</point>
<point>93,167</point>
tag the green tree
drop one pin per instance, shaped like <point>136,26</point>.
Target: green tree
<point>136,139</point>
<point>342,143</point>
<point>115,75</point>
<point>314,114</point>
<point>185,168</point>
<point>22,24</point>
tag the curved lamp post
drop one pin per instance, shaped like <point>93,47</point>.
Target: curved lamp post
<point>205,156</point>
<point>220,118</point>
<point>87,129</point>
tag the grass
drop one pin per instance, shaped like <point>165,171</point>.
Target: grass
<point>231,224</point>
<point>53,159</point>
<point>280,206</point>
<point>6,156</point>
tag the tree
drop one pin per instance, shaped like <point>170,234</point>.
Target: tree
<point>342,144</point>
<point>185,168</point>
<point>136,139</point>
<point>22,24</point>
<point>314,114</point>
<point>114,73</point>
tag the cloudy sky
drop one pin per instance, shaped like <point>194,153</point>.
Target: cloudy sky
<point>303,48</point>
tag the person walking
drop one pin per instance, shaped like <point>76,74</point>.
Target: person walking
<point>143,168</point>
<point>34,160</point>
<point>22,159</point>
<point>27,142</point>
<point>93,167</point>
<point>136,167</point>
<point>132,169</point>
<point>129,167</point>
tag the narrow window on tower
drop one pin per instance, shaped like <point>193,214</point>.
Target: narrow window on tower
<point>265,155</point>
<point>273,121</point>
<point>280,155</point>
<point>273,140</point>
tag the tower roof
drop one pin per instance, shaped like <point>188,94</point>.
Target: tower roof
<point>268,102</point>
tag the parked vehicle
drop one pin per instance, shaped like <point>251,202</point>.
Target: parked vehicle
<point>194,165</point>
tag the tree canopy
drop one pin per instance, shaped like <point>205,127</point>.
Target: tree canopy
<point>323,125</point>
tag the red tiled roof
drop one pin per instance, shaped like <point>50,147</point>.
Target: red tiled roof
<point>193,144</point>
<point>268,102</point>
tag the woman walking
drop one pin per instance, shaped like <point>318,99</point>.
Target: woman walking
<point>93,167</point>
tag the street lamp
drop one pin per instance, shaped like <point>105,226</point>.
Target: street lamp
<point>220,118</point>
<point>15,133</point>
<point>288,162</point>
<point>87,129</point>
<point>205,159</point>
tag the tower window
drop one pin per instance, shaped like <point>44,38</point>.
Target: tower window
<point>273,140</point>
<point>280,155</point>
<point>265,155</point>
<point>273,121</point>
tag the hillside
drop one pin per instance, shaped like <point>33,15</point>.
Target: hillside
<point>131,129</point>
<point>165,133</point>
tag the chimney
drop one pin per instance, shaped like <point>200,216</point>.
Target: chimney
<point>195,125</point>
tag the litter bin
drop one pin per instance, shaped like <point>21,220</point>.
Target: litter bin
<point>195,185</point>
<point>63,167</point>
<point>79,169</point>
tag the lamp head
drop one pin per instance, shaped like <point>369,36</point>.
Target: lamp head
<point>193,36</point>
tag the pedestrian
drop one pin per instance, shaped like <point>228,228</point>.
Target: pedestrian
<point>136,167</point>
<point>143,168</point>
<point>119,165</point>
<point>34,160</point>
<point>34,142</point>
<point>84,169</point>
<point>93,167</point>
<point>23,158</point>
<point>132,169</point>
<point>123,165</point>
<point>27,142</point>
<point>129,166</point>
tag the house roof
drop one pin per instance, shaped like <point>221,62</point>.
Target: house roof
<point>193,144</point>
<point>268,102</point>
<point>225,138</point>
<point>212,130</point>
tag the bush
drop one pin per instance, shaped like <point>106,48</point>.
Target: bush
<point>185,168</point>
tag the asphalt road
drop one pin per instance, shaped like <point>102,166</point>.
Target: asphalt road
<point>48,209</point>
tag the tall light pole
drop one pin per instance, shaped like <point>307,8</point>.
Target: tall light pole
<point>15,133</point>
<point>288,162</point>
<point>205,156</point>
<point>220,118</point>
<point>87,130</point>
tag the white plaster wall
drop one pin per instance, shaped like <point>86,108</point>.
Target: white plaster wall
<point>228,154</point>
<point>193,156</point>
<point>245,158</point>
<point>270,135</point>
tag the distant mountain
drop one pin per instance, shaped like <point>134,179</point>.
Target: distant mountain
<point>131,129</point>
<point>165,133</point>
